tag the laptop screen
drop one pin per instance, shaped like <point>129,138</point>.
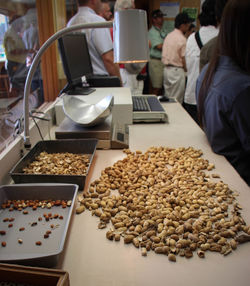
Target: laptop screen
<point>75,57</point>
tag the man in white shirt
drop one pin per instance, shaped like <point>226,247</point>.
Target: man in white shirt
<point>207,31</point>
<point>105,10</point>
<point>99,40</point>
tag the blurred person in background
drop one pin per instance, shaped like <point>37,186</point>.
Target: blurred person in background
<point>16,54</point>
<point>173,58</point>
<point>191,30</point>
<point>156,36</point>
<point>124,4</point>
<point>31,40</point>
<point>195,42</point>
<point>208,48</point>
<point>30,33</point>
<point>99,40</point>
<point>223,89</point>
<point>105,10</point>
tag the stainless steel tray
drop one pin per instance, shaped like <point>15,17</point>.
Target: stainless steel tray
<point>28,253</point>
<point>77,146</point>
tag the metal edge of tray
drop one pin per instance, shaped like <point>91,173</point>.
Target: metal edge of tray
<point>61,145</point>
<point>51,259</point>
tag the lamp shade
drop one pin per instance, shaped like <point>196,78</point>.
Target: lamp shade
<point>130,36</point>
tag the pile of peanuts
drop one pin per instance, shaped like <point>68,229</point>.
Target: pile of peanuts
<point>58,164</point>
<point>165,200</point>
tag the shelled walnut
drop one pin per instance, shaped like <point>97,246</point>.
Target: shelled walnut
<point>58,164</point>
<point>167,202</point>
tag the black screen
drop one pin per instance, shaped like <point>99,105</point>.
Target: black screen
<point>75,57</point>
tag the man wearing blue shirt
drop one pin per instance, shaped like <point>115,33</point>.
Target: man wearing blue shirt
<point>226,114</point>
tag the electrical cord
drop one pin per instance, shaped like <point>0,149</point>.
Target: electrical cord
<point>48,119</point>
<point>65,89</point>
<point>38,128</point>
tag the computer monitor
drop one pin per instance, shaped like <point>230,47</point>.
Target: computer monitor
<point>76,62</point>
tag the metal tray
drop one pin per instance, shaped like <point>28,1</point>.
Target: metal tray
<point>76,146</point>
<point>28,253</point>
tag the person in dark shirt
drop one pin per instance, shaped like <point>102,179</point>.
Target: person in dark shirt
<point>208,48</point>
<point>223,89</point>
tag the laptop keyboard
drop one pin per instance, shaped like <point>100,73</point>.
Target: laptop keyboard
<point>155,104</point>
<point>151,103</point>
<point>140,103</point>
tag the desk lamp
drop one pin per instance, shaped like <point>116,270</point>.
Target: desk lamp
<point>130,46</point>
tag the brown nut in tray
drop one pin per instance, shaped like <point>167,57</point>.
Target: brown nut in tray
<point>58,164</point>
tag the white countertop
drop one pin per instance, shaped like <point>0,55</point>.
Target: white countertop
<point>92,260</point>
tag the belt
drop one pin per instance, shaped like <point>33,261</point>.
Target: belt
<point>173,66</point>
<point>155,58</point>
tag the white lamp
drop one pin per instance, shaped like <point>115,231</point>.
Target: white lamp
<point>131,38</point>
<point>133,48</point>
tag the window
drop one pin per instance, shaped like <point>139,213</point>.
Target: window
<point>3,28</point>
<point>59,12</point>
<point>19,43</point>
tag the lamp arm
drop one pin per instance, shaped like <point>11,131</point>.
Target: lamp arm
<point>36,60</point>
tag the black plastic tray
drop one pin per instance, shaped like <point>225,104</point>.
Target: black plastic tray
<point>28,253</point>
<point>76,146</point>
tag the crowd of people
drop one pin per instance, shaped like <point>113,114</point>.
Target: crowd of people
<point>205,70</point>
<point>208,30</point>
<point>208,71</point>
<point>223,89</point>
<point>165,73</point>
<point>21,43</point>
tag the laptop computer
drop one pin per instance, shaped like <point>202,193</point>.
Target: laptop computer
<point>147,108</point>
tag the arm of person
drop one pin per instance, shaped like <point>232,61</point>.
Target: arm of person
<point>206,52</point>
<point>184,63</point>
<point>163,53</point>
<point>156,42</point>
<point>182,55</point>
<point>203,57</point>
<point>159,47</point>
<point>103,44</point>
<point>111,67</point>
<point>10,47</point>
<point>240,118</point>
<point>22,52</point>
